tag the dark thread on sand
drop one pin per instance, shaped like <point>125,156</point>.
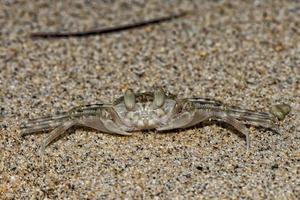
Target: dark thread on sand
<point>103,31</point>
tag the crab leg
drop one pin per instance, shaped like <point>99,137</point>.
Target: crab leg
<point>27,129</point>
<point>103,125</point>
<point>247,116</point>
<point>198,101</point>
<point>51,122</point>
<point>187,120</point>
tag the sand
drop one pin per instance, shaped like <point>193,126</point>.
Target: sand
<point>244,53</point>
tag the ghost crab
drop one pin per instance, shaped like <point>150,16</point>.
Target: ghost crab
<point>157,110</point>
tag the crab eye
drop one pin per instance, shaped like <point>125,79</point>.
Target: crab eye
<point>129,99</point>
<point>159,98</point>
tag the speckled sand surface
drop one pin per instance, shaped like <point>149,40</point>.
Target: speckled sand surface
<point>244,53</point>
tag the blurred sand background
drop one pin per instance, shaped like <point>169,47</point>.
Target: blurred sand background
<point>244,53</point>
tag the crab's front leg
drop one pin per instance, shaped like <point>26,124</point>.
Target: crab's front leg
<point>95,122</point>
<point>187,116</point>
<point>102,118</point>
<point>51,122</point>
<point>185,120</point>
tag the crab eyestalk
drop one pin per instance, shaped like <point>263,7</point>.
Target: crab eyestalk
<point>129,99</point>
<point>159,98</point>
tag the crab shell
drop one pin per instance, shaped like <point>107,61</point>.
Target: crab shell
<point>149,110</point>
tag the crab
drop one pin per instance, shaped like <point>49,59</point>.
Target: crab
<point>158,110</point>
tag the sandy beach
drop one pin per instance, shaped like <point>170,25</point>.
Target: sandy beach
<point>243,53</point>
